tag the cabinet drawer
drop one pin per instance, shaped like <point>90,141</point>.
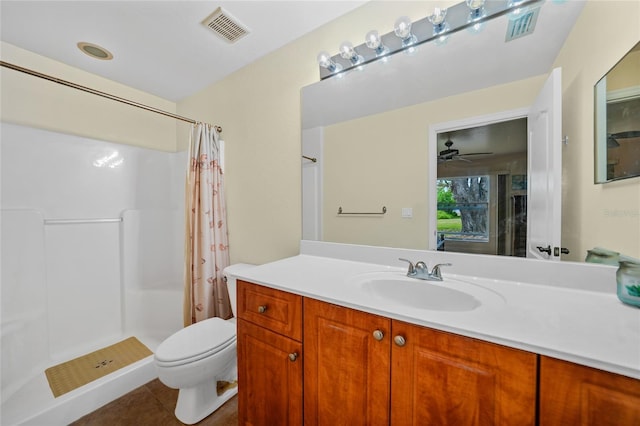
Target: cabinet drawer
<point>275,310</point>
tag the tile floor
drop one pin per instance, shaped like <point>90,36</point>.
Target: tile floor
<point>153,405</point>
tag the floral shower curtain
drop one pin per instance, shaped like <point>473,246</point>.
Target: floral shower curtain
<point>206,239</point>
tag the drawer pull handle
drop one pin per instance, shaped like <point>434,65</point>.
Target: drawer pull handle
<point>399,340</point>
<point>262,309</point>
<point>293,356</point>
<point>378,335</point>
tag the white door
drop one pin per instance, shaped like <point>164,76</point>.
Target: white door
<point>544,205</point>
<point>312,140</point>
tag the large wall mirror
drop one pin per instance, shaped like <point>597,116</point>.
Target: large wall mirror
<point>369,131</point>
<point>617,120</point>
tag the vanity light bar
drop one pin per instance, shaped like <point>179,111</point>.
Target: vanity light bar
<point>457,18</point>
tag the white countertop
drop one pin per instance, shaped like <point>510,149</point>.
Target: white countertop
<point>588,327</point>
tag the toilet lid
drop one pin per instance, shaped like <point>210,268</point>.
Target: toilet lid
<point>197,340</point>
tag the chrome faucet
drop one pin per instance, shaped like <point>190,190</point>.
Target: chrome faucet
<point>421,271</point>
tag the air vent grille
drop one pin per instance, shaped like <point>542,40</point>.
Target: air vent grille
<point>522,25</point>
<point>225,26</point>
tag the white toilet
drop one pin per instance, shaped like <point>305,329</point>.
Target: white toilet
<point>199,356</point>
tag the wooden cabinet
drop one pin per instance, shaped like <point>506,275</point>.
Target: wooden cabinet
<point>440,378</point>
<point>365,369</point>
<point>356,373</point>
<point>269,356</point>
<point>346,367</point>
<point>572,394</point>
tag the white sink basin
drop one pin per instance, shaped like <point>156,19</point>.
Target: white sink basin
<point>448,295</point>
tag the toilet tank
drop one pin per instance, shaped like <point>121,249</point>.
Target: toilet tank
<point>230,273</point>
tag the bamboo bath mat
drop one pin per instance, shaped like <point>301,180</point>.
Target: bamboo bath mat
<point>72,374</point>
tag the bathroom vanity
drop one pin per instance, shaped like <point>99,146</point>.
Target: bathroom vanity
<point>319,342</point>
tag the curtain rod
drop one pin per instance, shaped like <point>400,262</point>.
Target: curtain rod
<point>99,93</point>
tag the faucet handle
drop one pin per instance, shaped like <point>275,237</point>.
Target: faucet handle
<point>435,272</point>
<point>421,268</point>
<point>412,269</point>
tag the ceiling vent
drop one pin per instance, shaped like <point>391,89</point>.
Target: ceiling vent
<point>225,26</point>
<point>523,24</point>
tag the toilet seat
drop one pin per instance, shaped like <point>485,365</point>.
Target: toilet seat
<point>195,342</point>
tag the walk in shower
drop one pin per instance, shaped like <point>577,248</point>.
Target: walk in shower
<point>91,252</point>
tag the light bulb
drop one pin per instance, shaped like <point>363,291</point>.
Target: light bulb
<point>477,12</point>
<point>475,4</point>
<point>348,52</point>
<point>373,41</point>
<point>402,29</point>
<point>437,20</point>
<point>325,61</point>
<point>438,15</point>
<point>476,8</point>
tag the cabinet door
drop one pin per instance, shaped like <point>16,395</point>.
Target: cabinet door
<point>573,394</point>
<point>346,367</point>
<point>439,378</point>
<point>269,377</point>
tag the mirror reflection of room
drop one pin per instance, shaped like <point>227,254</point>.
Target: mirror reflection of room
<point>378,147</point>
<point>481,189</point>
<point>618,105</point>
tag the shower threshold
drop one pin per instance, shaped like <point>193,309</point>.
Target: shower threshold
<point>34,403</point>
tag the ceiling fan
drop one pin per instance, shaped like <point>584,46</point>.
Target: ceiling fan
<point>454,154</point>
<point>612,139</point>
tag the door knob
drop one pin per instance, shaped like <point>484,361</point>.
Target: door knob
<point>546,249</point>
<point>293,356</point>
<point>378,335</point>
<point>262,309</point>
<point>399,340</point>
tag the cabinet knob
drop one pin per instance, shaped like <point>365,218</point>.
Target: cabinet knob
<point>262,309</point>
<point>293,356</point>
<point>378,335</point>
<point>399,340</point>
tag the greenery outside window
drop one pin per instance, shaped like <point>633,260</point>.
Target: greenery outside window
<point>463,209</point>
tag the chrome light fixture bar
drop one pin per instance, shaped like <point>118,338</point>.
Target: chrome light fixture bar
<point>407,35</point>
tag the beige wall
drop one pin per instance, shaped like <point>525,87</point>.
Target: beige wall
<point>626,73</point>
<point>259,109</point>
<point>606,215</point>
<point>39,103</point>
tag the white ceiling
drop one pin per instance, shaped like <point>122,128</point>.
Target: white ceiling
<point>160,46</point>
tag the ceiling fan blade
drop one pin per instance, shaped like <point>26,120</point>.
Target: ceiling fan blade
<point>449,151</point>
<point>476,153</point>
<point>612,142</point>
<point>626,135</point>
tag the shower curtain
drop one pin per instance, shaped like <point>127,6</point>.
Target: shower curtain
<point>206,239</point>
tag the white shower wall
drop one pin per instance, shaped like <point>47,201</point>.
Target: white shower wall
<point>68,288</point>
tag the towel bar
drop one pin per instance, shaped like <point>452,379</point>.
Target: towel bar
<point>384,210</point>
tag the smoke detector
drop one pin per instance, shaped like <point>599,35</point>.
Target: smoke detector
<point>225,26</point>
